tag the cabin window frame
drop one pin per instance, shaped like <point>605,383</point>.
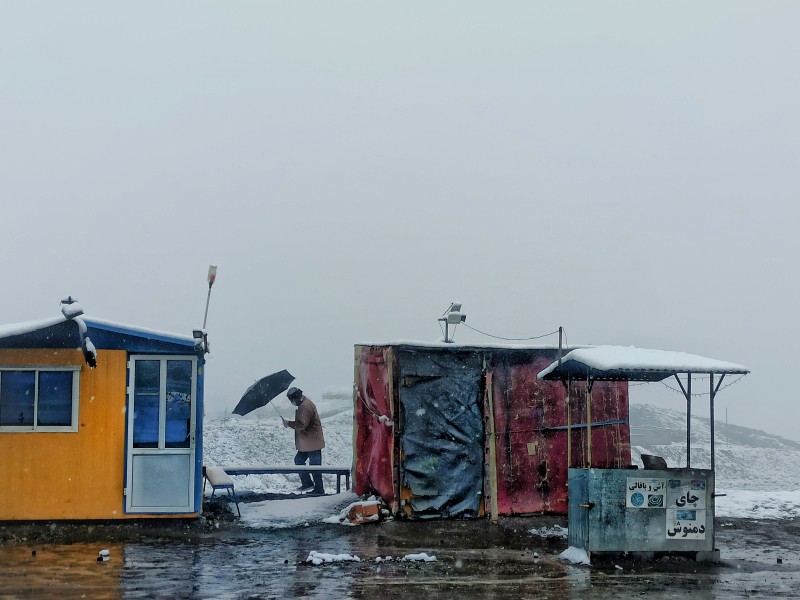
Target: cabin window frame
<point>75,398</point>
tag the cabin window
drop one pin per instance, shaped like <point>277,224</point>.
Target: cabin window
<point>39,399</point>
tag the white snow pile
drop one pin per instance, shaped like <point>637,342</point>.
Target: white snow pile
<point>576,556</point>
<point>556,531</point>
<point>419,557</point>
<point>319,558</point>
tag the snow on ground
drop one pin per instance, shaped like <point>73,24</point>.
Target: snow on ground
<point>556,531</point>
<point>751,504</point>
<point>296,512</point>
<point>261,439</point>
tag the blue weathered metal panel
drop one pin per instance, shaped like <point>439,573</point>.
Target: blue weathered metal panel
<point>577,513</point>
<point>633,510</point>
<point>441,433</point>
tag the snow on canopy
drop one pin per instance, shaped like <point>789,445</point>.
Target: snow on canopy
<point>629,362</point>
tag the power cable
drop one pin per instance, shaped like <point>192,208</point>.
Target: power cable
<point>535,337</point>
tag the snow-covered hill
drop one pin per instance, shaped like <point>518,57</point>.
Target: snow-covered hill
<point>745,459</point>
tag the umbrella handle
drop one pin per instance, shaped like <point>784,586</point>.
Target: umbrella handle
<point>276,410</point>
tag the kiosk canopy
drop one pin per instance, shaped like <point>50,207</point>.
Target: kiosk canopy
<point>633,364</point>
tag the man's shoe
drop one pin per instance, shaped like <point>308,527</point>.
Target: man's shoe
<point>305,488</point>
<point>314,492</point>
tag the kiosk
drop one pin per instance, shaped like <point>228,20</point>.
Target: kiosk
<point>655,509</point>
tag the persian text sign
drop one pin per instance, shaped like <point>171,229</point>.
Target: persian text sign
<point>686,493</point>
<point>645,493</point>
<point>686,509</point>
<point>686,524</point>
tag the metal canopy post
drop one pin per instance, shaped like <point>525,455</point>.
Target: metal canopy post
<point>687,392</point>
<point>688,420</point>
<point>589,384</point>
<point>712,393</point>
<point>566,383</point>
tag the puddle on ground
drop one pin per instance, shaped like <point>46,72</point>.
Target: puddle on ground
<point>270,564</point>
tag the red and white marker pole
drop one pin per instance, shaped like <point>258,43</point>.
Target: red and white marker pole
<point>212,277</point>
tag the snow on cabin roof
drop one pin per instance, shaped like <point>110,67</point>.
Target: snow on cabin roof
<point>635,364</point>
<point>17,329</point>
<point>142,331</point>
<point>14,329</point>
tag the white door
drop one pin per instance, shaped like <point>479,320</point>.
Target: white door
<point>161,434</point>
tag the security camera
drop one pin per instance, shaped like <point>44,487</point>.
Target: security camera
<point>454,318</point>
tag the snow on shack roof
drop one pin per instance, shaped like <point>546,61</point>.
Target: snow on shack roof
<point>457,346</point>
<point>634,364</point>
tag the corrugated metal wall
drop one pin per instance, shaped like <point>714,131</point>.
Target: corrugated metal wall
<point>531,426</point>
<point>475,432</point>
<point>441,433</point>
<point>374,425</point>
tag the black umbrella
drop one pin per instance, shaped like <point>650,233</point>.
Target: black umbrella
<point>262,391</point>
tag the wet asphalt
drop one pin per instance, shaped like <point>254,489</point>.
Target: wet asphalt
<point>475,559</point>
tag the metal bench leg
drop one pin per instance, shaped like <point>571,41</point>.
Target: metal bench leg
<point>232,494</point>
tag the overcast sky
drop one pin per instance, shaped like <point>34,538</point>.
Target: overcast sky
<point>626,170</point>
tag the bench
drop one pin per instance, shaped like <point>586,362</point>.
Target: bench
<point>220,480</point>
<point>289,469</point>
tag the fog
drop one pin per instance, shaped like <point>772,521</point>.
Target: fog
<point>628,171</point>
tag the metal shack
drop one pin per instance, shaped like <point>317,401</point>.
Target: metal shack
<point>99,421</point>
<point>657,509</point>
<point>451,431</point>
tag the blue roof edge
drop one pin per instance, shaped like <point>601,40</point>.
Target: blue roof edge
<point>140,332</point>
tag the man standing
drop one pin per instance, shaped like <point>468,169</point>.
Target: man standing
<point>308,439</point>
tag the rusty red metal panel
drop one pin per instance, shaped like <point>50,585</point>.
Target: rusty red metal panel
<point>374,424</point>
<point>523,405</point>
<point>530,418</point>
<point>610,432</point>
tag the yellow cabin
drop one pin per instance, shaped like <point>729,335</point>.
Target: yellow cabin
<point>99,421</point>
